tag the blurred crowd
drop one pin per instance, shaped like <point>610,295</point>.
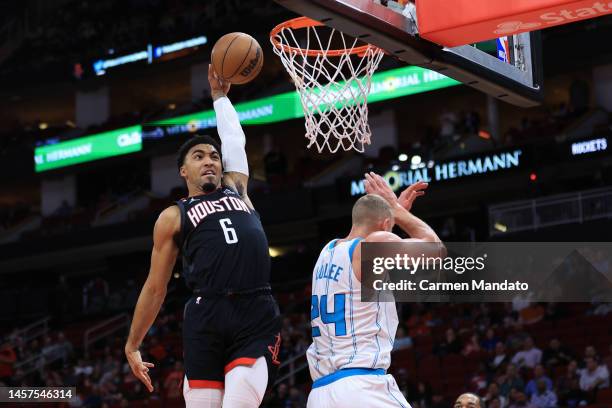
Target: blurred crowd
<point>511,355</point>
<point>495,356</point>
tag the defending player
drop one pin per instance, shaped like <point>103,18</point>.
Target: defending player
<point>231,323</point>
<point>352,340</point>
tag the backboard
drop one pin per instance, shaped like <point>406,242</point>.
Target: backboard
<point>515,78</point>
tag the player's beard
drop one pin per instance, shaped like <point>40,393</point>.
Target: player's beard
<point>209,187</point>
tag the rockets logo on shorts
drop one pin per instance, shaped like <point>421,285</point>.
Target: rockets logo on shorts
<point>274,350</point>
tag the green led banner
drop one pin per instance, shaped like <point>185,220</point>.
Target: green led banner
<point>385,85</point>
<point>88,148</point>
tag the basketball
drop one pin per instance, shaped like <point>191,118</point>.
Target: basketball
<point>237,58</point>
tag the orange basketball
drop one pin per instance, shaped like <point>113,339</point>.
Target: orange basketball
<point>237,58</point>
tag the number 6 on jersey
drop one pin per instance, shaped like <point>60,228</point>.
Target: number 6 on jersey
<point>228,232</point>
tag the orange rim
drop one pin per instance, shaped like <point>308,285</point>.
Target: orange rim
<point>305,22</point>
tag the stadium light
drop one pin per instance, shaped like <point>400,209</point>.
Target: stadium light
<point>274,252</point>
<point>500,227</point>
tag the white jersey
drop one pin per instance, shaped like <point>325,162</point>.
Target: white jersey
<point>346,332</point>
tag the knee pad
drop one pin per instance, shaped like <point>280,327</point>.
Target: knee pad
<point>245,386</point>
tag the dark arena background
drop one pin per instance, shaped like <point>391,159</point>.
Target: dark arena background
<point>97,96</point>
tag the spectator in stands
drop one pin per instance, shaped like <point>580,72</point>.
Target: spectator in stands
<point>518,400</point>
<point>556,354</point>
<point>173,381</point>
<point>499,358</point>
<point>93,399</point>
<point>494,403</point>
<point>511,380</point>
<point>539,374</point>
<point>279,396</point>
<point>422,395</point>
<point>489,343</point>
<point>419,323</point>
<point>7,359</point>
<point>51,351</point>
<point>109,362</point>
<point>544,397</point>
<point>450,345</point>
<point>529,357</point>
<point>478,381</point>
<point>493,394</point>
<point>472,346</point>
<point>404,384</point>
<point>136,392</point>
<point>594,376</point>
<point>18,344</point>
<point>83,368</point>
<point>439,401</point>
<point>402,341</point>
<point>516,339</point>
<point>589,351</point>
<point>158,351</point>
<point>110,376</point>
<point>568,386</point>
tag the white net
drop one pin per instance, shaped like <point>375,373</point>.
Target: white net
<point>333,84</point>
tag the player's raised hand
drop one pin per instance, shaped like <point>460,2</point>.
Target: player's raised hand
<point>407,197</point>
<point>375,184</point>
<point>218,87</point>
<point>140,368</point>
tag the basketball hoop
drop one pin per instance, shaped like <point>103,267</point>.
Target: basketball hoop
<point>333,84</point>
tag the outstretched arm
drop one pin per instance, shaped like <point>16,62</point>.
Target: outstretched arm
<point>153,293</point>
<point>417,229</point>
<point>423,239</point>
<point>233,140</point>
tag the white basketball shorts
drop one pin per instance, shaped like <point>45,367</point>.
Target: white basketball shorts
<point>356,387</point>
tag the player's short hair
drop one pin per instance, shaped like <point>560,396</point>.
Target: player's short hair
<point>370,209</point>
<point>196,140</point>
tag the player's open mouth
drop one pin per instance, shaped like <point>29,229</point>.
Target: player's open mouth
<point>208,173</point>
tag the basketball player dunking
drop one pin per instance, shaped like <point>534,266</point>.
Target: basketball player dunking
<point>231,323</point>
<point>352,340</point>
